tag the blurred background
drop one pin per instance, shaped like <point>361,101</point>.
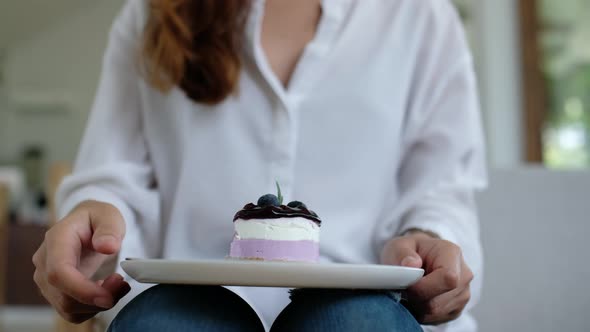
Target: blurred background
<point>533,64</point>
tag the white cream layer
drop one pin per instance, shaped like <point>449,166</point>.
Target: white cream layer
<point>283,229</point>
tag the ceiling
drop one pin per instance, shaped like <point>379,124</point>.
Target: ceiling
<point>20,19</point>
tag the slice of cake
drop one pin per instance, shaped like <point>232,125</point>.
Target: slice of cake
<point>271,231</point>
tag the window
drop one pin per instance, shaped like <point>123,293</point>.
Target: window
<point>564,40</point>
<point>556,77</point>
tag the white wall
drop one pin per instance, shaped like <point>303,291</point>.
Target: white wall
<point>497,44</point>
<point>63,60</point>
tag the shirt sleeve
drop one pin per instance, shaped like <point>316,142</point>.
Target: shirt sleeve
<point>113,162</point>
<point>444,165</point>
<point>444,160</point>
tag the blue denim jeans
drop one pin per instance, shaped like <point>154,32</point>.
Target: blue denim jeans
<point>211,308</point>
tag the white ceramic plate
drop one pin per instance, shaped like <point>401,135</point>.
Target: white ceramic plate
<point>271,274</point>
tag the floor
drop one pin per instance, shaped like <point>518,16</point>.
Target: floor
<point>26,319</point>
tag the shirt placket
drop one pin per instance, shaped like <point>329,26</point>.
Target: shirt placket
<point>283,149</point>
<point>285,125</point>
<point>312,64</point>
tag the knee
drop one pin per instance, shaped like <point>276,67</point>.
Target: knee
<point>179,308</point>
<point>342,310</point>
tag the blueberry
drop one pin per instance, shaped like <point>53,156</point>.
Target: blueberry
<point>297,205</point>
<point>268,200</point>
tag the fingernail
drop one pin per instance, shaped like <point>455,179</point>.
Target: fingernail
<point>106,239</point>
<point>409,260</point>
<point>103,302</point>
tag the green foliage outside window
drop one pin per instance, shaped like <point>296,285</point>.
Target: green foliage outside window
<point>565,42</point>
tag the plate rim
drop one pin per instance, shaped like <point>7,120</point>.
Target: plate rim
<point>131,263</point>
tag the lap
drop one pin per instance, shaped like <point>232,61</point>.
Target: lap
<point>212,308</point>
<point>345,310</point>
<point>187,308</point>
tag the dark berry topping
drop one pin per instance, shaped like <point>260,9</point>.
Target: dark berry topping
<point>268,200</point>
<point>297,205</point>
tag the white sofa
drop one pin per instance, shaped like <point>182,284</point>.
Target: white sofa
<point>535,228</point>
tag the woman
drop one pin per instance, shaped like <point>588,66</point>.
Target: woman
<point>365,110</point>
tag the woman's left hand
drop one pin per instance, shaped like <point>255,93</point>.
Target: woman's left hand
<point>443,293</point>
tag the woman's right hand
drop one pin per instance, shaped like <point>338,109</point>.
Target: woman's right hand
<point>70,255</point>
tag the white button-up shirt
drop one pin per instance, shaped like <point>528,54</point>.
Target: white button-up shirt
<point>378,132</point>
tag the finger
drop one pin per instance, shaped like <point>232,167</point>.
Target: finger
<point>61,301</point>
<point>71,306</point>
<point>435,310</point>
<point>402,251</point>
<point>466,274</point>
<point>444,255</point>
<point>70,282</point>
<point>117,286</point>
<point>459,302</point>
<point>124,290</point>
<point>91,261</point>
<point>438,282</point>
<point>412,261</point>
<point>64,245</point>
<point>439,305</point>
<point>41,284</point>
<point>38,258</point>
<point>109,230</point>
<point>447,309</point>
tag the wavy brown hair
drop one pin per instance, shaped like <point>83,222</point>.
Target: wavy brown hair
<point>195,45</point>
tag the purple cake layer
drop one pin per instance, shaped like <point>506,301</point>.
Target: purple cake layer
<point>273,250</point>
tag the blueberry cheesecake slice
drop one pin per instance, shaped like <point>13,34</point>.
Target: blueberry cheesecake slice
<point>271,231</point>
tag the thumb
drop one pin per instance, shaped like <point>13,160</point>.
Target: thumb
<point>401,251</point>
<point>109,230</point>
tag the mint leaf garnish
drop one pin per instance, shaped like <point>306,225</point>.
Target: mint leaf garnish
<point>280,195</point>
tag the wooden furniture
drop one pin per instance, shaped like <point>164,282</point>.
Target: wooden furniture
<point>18,243</point>
<point>22,242</point>
<point>4,216</point>
<point>534,84</point>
